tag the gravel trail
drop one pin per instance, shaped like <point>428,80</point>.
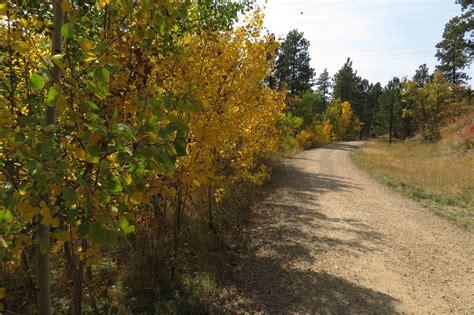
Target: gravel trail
<point>330,240</point>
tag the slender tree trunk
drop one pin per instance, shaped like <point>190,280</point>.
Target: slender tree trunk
<point>176,227</point>
<point>403,131</point>
<point>454,67</point>
<point>42,235</point>
<point>209,209</point>
<point>391,124</point>
<point>79,282</point>
<point>42,270</point>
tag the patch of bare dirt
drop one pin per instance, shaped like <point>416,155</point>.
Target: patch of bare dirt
<point>330,240</point>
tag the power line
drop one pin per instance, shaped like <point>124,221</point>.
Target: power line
<point>378,49</point>
<point>380,58</point>
<point>273,3</point>
<point>303,8</point>
<point>376,56</point>
<point>353,25</point>
<point>321,5</point>
<point>363,18</point>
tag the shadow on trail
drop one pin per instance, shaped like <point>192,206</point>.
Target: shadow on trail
<point>275,274</point>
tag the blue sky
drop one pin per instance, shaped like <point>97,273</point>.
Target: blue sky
<point>384,38</point>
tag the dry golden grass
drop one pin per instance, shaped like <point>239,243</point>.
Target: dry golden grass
<point>439,175</point>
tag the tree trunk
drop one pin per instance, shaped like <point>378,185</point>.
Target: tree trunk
<point>42,270</point>
<point>42,235</point>
<point>454,67</point>
<point>209,209</point>
<point>391,124</point>
<point>79,282</point>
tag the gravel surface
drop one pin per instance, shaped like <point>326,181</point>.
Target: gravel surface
<point>330,240</point>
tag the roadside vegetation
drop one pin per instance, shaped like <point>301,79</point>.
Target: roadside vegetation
<point>439,175</point>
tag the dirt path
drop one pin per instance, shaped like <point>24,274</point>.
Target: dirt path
<point>331,240</point>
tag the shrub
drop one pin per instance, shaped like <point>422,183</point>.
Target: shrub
<point>305,139</point>
<point>316,135</point>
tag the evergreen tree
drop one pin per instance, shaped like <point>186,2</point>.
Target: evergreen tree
<point>465,4</point>
<point>455,51</point>
<point>293,64</point>
<point>370,108</point>
<point>390,114</point>
<point>323,84</point>
<point>422,75</point>
<point>350,87</point>
<point>345,81</point>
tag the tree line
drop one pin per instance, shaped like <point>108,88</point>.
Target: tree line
<point>400,109</point>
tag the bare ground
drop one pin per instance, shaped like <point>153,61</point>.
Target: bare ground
<point>330,240</point>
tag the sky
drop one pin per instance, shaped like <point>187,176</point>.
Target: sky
<point>384,38</point>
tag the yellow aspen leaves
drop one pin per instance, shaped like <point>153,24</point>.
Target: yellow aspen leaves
<point>28,211</point>
<point>3,8</point>
<point>47,218</point>
<point>102,3</point>
<point>86,45</point>
<point>66,5</point>
<point>138,125</point>
<point>136,198</point>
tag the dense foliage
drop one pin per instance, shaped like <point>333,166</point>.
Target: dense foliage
<point>116,119</point>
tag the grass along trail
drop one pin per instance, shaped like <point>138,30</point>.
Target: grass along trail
<point>329,239</point>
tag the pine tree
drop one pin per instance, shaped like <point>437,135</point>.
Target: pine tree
<point>370,107</point>
<point>350,87</point>
<point>455,52</point>
<point>345,82</point>
<point>323,84</point>
<point>422,75</point>
<point>293,64</point>
<point>390,108</point>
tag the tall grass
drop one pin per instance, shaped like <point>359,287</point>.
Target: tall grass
<point>441,177</point>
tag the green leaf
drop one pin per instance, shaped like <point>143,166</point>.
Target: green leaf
<point>114,186</point>
<point>189,106</point>
<point>93,154</point>
<point>180,147</point>
<point>83,229</point>
<point>111,68</point>
<point>102,74</point>
<point>167,101</point>
<point>126,131</point>
<point>92,105</point>
<point>158,107</point>
<point>101,47</point>
<point>101,235</point>
<point>53,93</point>
<point>126,227</point>
<point>6,216</point>
<point>165,161</point>
<point>36,81</point>
<point>68,30</point>
<point>69,197</point>
<point>49,128</point>
<point>175,123</point>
